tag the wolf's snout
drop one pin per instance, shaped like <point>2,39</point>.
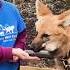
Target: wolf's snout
<point>34,47</point>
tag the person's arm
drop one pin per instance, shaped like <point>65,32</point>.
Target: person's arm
<point>21,40</point>
<point>5,53</point>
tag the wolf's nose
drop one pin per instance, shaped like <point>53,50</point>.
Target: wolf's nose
<point>34,47</point>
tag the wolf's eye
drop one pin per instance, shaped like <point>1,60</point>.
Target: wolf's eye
<point>45,35</point>
<point>60,25</point>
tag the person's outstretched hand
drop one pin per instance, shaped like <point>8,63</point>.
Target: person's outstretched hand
<point>23,55</point>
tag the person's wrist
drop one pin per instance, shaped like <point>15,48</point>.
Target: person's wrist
<point>14,50</point>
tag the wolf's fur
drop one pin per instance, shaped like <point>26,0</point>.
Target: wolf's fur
<point>54,28</point>
<point>53,31</point>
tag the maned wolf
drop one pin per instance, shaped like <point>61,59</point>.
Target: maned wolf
<point>53,32</point>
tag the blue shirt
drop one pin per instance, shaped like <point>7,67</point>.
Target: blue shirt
<point>11,23</point>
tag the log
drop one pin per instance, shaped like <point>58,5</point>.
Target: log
<point>35,68</point>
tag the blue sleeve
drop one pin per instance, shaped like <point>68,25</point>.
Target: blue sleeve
<point>21,25</point>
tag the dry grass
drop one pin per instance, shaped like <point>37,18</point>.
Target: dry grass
<point>35,68</point>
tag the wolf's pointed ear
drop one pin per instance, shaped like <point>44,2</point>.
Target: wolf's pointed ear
<point>41,9</point>
<point>63,15</point>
